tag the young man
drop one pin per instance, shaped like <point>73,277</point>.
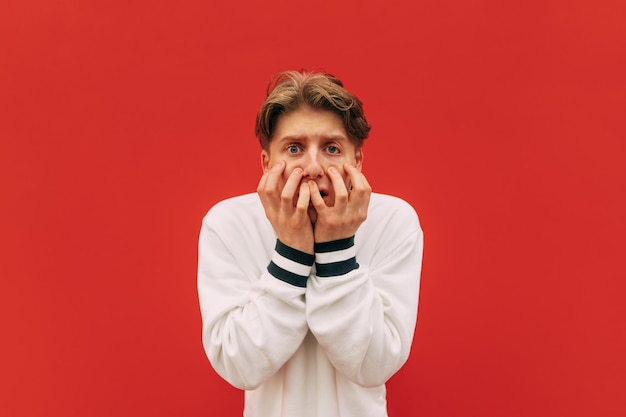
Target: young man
<point>309,287</point>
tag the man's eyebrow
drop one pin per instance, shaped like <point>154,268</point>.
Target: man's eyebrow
<point>299,138</point>
<point>292,138</point>
<point>337,136</point>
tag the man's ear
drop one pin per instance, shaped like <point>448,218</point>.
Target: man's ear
<point>265,161</point>
<point>358,159</point>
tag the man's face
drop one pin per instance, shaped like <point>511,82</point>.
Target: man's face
<point>313,140</point>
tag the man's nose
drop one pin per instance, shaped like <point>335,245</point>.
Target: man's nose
<point>312,167</point>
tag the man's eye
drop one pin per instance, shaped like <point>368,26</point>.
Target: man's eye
<point>332,149</point>
<point>292,149</point>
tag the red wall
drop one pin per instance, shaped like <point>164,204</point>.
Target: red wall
<point>502,122</point>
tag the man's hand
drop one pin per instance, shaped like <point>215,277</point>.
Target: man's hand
<point>350,210</point>
<point>288,216</point>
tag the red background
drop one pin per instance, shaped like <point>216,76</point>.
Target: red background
<point>502,122</point>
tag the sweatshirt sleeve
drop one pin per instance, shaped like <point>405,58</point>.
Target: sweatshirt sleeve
<point>252,321</point>
<point>364,315</point>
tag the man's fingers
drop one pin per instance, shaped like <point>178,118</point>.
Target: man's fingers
<point>339,186</point>
<point>273,176</point>
<point>304,197</point>
<point>288,194</point>
<point>262,183</point>
<point>358,182</point>
<point>357,179</point>
<point>316,197</point>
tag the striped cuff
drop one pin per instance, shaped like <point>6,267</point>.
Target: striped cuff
<point>290,265</point>
<point>335,258</point>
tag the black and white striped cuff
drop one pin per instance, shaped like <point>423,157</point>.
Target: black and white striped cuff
<point>290,265</point>
<point>335,258</point>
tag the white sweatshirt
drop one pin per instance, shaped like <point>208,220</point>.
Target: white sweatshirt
<point>318,336</point>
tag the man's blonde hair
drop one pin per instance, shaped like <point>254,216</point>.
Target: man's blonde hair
<point>290,90</point>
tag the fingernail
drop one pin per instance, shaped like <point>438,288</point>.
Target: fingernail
<point>332,169</point>
<point>297,171</point>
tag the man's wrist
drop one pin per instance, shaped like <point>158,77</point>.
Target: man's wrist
<point>335,258</point>
<point>290,265</point>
